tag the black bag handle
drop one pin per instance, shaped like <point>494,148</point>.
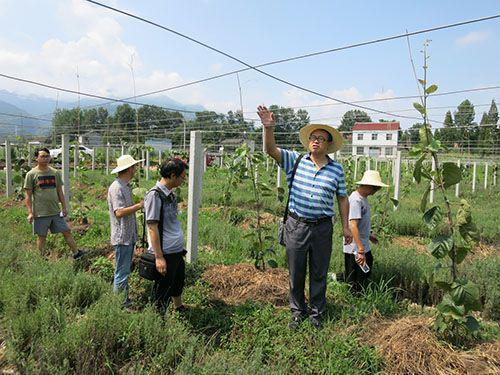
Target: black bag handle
<point>285,216</point>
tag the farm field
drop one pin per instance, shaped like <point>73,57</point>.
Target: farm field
<point>61,317</point>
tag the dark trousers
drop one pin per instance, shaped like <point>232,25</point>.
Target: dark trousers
<point>172,284</point>
<point>308,243</point>
<point>353,273</point>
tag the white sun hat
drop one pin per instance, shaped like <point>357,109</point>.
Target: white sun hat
<point>125,162</point>
<point>337,139</point>
<point>372,178</point>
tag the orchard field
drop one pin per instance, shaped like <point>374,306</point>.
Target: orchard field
<point>60,316</point>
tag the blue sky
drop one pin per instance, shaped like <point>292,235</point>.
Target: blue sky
<point>48,40</point>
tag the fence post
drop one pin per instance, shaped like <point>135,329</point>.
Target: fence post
<point>107,158</point>
<point>397,176</point>
<point>8,169</point>
<point>147,165</point>
<point>75,158</point>
<point>29,155</point>
<point>123,150</point>
<point>65,168</point>
<point>367,164</point>
<point>194,194</point>
<point>474,170</point>
<point>431,193</point>
<point>457,186</point>
<point>486,175</point>
<point>93,158</point>
<point>355,167</point>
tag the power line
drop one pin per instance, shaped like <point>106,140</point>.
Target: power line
<point>302,88</point>
<point>337,49</point>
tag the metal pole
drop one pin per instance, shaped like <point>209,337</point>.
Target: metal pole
<point>457,186</point>
<point>8,170</point>
<point>474,171</point>
<point>486,175</point>
<point>397,174</point>
<point>107,158</point>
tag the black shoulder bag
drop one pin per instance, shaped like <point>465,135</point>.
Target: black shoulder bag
<point>282,223</point>
<point>147,261</point>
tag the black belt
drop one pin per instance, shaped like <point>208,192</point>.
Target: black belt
<point>310,221</point>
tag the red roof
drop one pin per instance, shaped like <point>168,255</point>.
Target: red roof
<point>376,126</point>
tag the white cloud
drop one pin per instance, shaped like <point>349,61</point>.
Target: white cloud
<point>473,37</point>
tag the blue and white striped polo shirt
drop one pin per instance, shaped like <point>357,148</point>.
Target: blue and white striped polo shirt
<point>313,191</point>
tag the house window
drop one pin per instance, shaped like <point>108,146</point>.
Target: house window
<point>374,136</point>
<point>388,137</point>
<point>360,150</point>
<point>389,151</point>
<point>360,136</point>
<point>374,151</point>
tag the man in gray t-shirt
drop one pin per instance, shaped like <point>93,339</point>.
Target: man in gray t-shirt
<point>357,253</point>
<point>165,236</point>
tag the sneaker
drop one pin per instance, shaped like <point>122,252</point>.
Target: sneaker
<point>295,322</point>
<point>78,255</point>
<point>315,322</point>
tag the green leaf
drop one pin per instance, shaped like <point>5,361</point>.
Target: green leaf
<point>17,179</point>
<point>425,197</point>
<point>417,172</point>
<point>452,174</point>
<point>432,216</point>
<point>425,135</point>
<point>471,323</point>
<point>471,297</point>
<point>448,308</point>
<point>434,145</point>
<point>419,107</point>
<point>422,81</point>
<point>461,253</point>
<point>458,294</point>
<point>440,246</point>
<point>431,89</point>
<point>272,263</point>
<point>443,285</point>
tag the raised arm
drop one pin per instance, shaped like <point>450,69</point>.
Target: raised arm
<point>267,119</point>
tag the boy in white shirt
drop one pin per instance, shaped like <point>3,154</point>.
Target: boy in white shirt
<point>357,254</point>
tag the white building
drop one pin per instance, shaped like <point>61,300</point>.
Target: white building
<point>375,139</point>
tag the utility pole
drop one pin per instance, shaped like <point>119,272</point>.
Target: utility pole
<point>131,65</point>
<point>78,84</point>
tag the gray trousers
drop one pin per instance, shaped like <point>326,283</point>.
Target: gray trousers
<point>305,243</point>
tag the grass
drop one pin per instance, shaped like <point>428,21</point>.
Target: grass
<point>59,318</point>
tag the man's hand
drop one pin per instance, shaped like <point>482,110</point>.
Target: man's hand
<point>373,238</point>
<point>360,259</point>
<point>161,265</point>
<point>141,204</point>
<point>30,218</point>
<point>64,212</point>
<point>347,236</point>
<point>266,116</point>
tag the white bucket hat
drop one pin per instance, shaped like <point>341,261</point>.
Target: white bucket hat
<point>337,139</point>
<point>125,162</point>
<point>372,178</point>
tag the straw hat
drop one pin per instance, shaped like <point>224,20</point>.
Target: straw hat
<point>125,162</point>
<point>306,131</point>
<point>372,178</point>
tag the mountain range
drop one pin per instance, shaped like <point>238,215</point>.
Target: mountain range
<point>31,106</point>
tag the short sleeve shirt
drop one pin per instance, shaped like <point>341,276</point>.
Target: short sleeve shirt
<point>124,229</point>
<point>172,235</point>
<point>313,191</point>
<point>359,209</point>
<point>44,185</point>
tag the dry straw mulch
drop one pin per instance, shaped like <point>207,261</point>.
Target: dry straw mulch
<point>238,283</point>
<point>409,346</point>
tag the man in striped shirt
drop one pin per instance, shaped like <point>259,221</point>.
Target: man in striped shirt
<point>309,227</point>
